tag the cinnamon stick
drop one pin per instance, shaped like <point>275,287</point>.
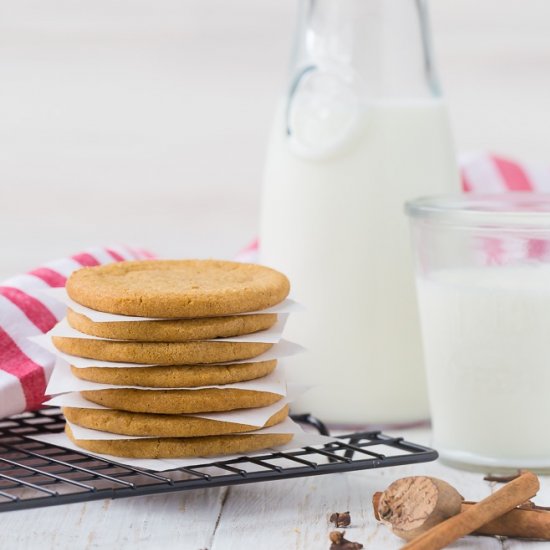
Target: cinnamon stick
<point>502,479</point>
<point>521,523</point>
<point>505,499</point>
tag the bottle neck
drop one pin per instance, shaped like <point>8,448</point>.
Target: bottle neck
<point>381,48</point>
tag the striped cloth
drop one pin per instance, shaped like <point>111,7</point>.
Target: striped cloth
<point>483,173</point>
<point>25,367</point>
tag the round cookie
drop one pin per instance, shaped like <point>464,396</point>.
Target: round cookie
<point>176,376</point>
<point>180,330</point>
<point>178,288</point>
<point>160,425</point>
<point>160,353</point>
<point>180,401</point>
<point>180,447</point>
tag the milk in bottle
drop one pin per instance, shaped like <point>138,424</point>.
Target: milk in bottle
<point>362,129</point>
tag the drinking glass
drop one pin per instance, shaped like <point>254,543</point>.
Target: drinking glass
<point>483,288</point>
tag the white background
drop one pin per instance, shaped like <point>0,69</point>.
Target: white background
<point>146,121</point>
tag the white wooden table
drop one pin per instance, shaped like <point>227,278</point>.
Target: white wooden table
<point>271,515</point>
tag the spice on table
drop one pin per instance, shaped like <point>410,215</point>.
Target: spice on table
<point>527,520</point>
<point>530,505</point>
<point>412,505</point>
<point>341,543</point>
<point>502,479</point>
<point>505,499</point>
<point>340,519</point>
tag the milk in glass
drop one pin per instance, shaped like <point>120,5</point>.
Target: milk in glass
<point>487,347</point>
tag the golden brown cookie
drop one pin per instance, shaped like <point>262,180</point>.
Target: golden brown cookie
<point>178,288</point>
<point>160,353</point>
<point>180,401</point>
<point>179,330</point>
<point>159,425</point>
<point>180,376</point>
<point>180,447</point>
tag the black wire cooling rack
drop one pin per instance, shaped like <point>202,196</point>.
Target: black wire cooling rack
<point>35,474</point>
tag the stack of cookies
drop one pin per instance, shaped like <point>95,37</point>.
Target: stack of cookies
<point>189,307</point>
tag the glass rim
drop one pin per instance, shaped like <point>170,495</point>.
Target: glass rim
<point>510,209</point>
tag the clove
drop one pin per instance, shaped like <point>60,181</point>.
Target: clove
<point>340,543</point>
<point>340,519</point>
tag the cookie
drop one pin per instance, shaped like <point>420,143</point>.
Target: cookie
<point>180,401</point>
<point>160,353</point>
<point>180,330</point>
<point>180,447</point>
<point>178,288</point>
<point>159,425</point>
<point>176,376</point>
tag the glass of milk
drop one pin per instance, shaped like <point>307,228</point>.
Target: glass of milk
<point>483,285</point>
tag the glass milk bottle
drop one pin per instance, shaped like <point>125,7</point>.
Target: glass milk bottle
<point>362,129</point>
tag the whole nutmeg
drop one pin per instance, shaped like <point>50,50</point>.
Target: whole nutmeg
<point>412,505</point>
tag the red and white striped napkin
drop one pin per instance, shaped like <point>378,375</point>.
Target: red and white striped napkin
<point>482,173</point>
<point>25,311</point>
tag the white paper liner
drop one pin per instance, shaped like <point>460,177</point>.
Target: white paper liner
<point>79,432</point>
<point>62,380</point>
<point>287,306</point>
<point>300,439</point>
<point>284,348</point>
<point>251,417</point>
<point>271,335</point>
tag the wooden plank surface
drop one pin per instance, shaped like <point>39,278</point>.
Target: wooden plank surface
<point>160,522</point>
